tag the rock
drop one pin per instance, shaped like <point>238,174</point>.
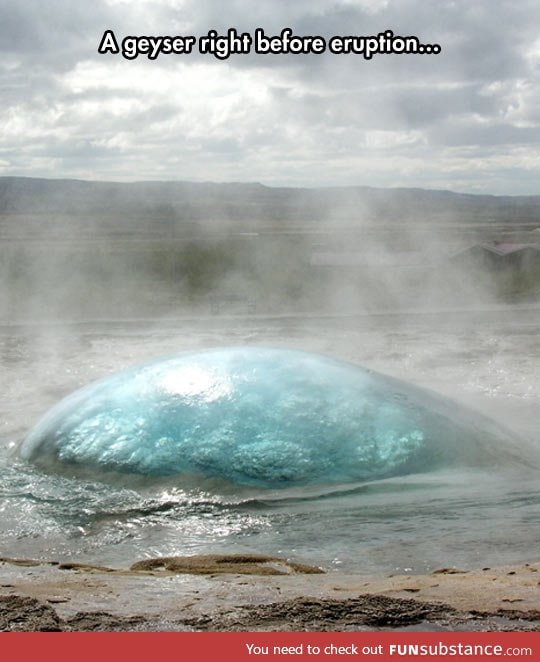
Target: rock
<point>23,614</point>
<point>212,564</point>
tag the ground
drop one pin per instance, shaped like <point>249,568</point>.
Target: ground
<point>261,594</point>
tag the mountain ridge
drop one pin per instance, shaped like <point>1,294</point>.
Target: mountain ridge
<point>186,200</point>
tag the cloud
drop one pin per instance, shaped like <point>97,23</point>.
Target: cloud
<point>407,120</point>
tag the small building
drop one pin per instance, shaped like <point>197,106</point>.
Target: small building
<point>500,255</point>
<point>510,271</point>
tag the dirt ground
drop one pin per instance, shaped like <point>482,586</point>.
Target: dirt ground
<point>259,593</point>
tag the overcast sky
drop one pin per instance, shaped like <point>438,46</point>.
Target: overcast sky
<point>467,119</point>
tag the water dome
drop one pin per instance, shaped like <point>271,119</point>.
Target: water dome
<point>256,416</point>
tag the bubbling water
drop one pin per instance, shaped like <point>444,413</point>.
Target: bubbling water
<point>268,418</point>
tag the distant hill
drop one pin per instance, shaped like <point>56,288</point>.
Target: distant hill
<point>255,202</point>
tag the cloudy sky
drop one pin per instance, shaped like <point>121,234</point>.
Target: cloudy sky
<point>467,119</point>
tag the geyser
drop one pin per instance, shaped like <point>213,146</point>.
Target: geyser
<point>257,416</point>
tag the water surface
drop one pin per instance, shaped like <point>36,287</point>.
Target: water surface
<point>460,516</point>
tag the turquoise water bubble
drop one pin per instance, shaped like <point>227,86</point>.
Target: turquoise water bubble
<point>256,416</point>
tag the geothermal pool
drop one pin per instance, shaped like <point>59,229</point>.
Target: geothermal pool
<point>477,504</point>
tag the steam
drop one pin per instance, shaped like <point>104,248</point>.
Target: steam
<point>84,251</point>
<point>360,274</point>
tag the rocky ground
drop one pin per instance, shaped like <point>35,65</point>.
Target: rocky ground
<point>259,593</point>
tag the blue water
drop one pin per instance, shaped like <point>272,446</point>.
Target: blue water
<point>262,417</point>
<point>478,508</point>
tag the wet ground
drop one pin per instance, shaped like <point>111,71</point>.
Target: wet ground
<point>261,595</point>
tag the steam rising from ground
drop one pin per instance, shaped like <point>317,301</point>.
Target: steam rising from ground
<point>81,250</point>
